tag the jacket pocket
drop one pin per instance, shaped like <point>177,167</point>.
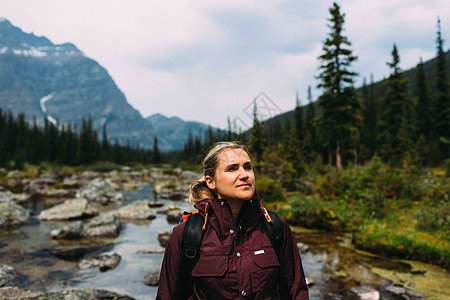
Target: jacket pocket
<point>265,278</point>
<point>211,266</point>
<point>265,258</point>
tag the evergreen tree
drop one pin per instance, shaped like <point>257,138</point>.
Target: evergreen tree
<point>298,120</point>
<point>310,141</point>
<point>338,101</point>
<point>441,100</point>
<point>395,124</point>
<point>369,128</point>
<point>156,154</point>
<point>257,139</point>
<point>423,109</point>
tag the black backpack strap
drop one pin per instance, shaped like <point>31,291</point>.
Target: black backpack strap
<point>192,240</point>
<point>274,231</point>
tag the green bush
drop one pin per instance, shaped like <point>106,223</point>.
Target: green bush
<point>434,218</point>
<point>269,190</point>
<point>103,166</point>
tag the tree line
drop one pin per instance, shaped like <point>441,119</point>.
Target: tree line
<point>346,126</point>
<point>22,143</point>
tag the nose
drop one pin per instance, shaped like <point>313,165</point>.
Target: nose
<point>242,173</point>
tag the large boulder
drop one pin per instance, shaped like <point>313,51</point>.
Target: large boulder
<point>15,293</point>
<point>12,214</point>
<point>106,225</point>
<point>152,278</point>
<point>163,237</point>
<point>103,262</point>
<point>99,190</point>
<point>366,293</point>
<point>174,216</point>
<point>7,273</point>
<point>404,293</point>
<point>72,209</point>
<point>6,196</point>
<point>102,226</point>
<point>78,251</point>
<point>136,210</point>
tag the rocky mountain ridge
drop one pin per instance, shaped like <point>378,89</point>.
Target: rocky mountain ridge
<point>60,83</point>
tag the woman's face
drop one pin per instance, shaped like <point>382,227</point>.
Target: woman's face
<point>234,178</point>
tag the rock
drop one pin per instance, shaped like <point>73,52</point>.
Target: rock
<point>152,278</point>
<point>163,237</point>
<point>404,293</point>
<point>59,193</point>
<point>90,175</point>
<point>302,247</point>
<point>78,251</point>
<point>333,297</point>
<point>172,195</point>
<point>12,214</point>
<point>15,293</point>
<point>155,204</point>
<point>101,226</point>
<point>7,273</point>
<point>103,262</point>
<point>70,232</point>
<point>136,210</point>
<point>71,209</point>
<point>309,282</point>
<point>99,190</point>
<point>151,251</point>
<point>174,216</point>
<point>6,196</point>
<point>366,293</point>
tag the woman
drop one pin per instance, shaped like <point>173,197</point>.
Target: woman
<point>237,260</point>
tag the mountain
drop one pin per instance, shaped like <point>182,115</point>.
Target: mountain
<point>175,130</point>
<point>60,83</point>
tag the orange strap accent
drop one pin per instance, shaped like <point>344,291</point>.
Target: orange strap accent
<point>206,217</point>
<point>266,214</point>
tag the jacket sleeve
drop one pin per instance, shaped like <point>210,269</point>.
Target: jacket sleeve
<point>175,280</point>
<point>292,278</point>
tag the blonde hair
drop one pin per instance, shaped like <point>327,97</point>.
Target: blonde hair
<point>199,190</point>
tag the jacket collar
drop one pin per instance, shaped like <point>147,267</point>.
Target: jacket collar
<point>220,216</point>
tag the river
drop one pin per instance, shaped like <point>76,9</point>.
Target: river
<point>331,261</point>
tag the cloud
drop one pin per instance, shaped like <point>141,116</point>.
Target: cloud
<point>206,60</point>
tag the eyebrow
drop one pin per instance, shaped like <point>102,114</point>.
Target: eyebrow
<point>237,164</point>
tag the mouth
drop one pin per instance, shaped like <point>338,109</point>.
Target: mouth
<point>244,185</point>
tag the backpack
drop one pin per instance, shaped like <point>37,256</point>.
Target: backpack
<point>193,235</point>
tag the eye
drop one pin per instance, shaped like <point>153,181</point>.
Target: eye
<point>232,168</point>
<point>248,167</point>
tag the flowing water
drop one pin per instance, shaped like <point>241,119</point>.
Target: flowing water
<point>331,262</point>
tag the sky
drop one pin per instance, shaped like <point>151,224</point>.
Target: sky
<point>207,60</point>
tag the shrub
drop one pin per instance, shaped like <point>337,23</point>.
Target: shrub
<point>269,190</point>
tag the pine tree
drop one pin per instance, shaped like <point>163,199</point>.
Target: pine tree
<point>257,139</point>
<point>423,109</point>
<point>310,141</point>
<point>298,120</point>
<point>156,154</point>
<point>441,100</point>
<point>395,123</point>
<point>338,102</point>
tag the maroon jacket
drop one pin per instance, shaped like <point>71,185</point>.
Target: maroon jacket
<point>237,261</point>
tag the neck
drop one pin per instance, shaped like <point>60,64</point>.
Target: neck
<point>235,206</point>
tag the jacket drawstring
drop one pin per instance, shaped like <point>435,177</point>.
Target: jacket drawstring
<point>266,214</point>
<point>206,217</point>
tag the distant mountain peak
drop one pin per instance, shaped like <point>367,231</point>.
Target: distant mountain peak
<point>14,40</point>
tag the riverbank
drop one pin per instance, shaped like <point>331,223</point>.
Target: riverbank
<point>393,212</point>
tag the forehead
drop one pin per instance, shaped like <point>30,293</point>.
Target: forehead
<point>233,156</point>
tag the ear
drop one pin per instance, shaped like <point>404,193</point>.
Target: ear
<point>210,182</point>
